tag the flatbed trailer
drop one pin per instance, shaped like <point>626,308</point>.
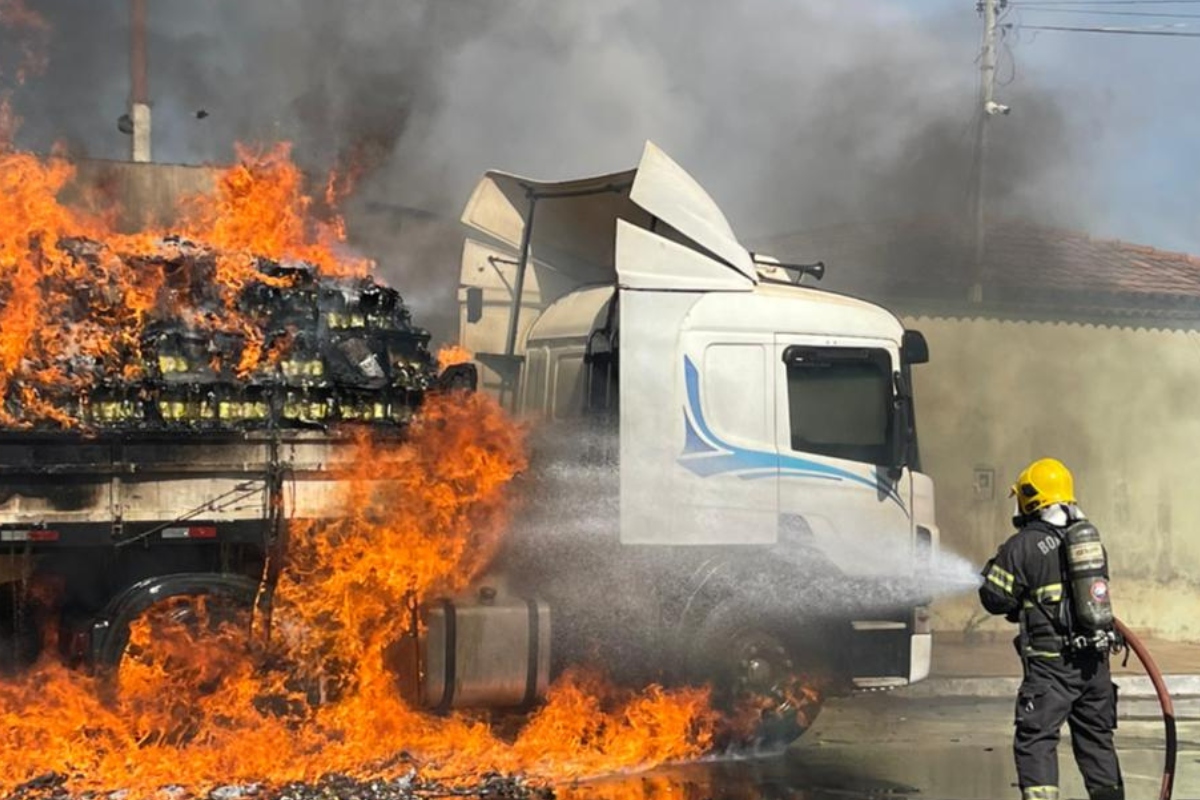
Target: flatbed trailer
<point>102,514</point>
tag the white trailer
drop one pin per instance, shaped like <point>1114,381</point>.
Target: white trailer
<point>761,423</point>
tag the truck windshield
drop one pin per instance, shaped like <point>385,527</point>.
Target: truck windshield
<point>839,402</point>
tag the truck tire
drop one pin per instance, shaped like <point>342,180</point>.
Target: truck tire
<point>110,632</point>
<point>766,676</point>
<point>169,641</point>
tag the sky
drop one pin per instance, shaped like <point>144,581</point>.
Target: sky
<point>1137,96</point>
<point>794,113</point>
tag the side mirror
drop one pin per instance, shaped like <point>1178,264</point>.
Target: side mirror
<point>913,348</point>
<point>474,304</point>
<point>901,435</point>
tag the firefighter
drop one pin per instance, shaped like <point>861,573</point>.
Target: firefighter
<point>1066,679</point>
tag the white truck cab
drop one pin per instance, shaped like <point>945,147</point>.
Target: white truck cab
<point>754,414</point>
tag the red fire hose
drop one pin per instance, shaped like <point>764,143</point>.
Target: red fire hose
<point>1164,700</point>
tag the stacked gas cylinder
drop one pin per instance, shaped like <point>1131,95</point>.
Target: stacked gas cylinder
<point>294,349</point>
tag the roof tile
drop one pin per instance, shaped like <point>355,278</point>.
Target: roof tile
<point>934,258</point>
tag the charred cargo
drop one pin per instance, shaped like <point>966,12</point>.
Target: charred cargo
<point>289,347</point>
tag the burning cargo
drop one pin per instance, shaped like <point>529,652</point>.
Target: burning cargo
<point>288,347</point>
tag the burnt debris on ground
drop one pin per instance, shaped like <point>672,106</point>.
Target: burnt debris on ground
<point>282,346</point>
<point>490,786</point>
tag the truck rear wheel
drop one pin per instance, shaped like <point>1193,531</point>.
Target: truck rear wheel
<point>179,652</point>
<point>219,595</point>
<point>767,680</point>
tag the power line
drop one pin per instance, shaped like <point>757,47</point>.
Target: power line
<point>1033,3</point>
<point>1156,15</point>
<point>1120,31</point>
<point>1012,60</point>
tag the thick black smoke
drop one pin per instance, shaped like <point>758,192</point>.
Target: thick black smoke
<point>795,115</point>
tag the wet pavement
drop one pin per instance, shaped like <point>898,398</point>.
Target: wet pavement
<point>891,746</point>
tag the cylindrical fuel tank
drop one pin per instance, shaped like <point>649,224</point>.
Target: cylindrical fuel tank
<point>487,650</point>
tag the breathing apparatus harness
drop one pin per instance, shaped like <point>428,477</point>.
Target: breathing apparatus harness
<point>1084,616</point>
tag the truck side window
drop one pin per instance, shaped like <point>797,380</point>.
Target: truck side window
<point>537,365</point>
<point>601,361</point>
<point>839,402</point>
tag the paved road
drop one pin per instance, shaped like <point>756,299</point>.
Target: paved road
<point>961,748</point>
<point>890,746</point>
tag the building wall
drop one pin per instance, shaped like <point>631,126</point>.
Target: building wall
<point>146,196</point>
<point>1118,405</point>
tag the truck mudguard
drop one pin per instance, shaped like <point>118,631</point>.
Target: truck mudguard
<point>110,632</point>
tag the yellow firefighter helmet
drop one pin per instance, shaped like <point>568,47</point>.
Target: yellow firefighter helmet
<point>1043,483</point>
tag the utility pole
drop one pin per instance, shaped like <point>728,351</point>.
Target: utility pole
<point>139,92</point>
<point>989,107</point>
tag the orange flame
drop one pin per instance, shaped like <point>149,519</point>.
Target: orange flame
<point>260,210</point>
<point>420,517</point>
<point>452,354</point>
<point>66,309</point>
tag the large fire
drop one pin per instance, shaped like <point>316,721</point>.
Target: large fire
<point>203,698</point>
<point>199,711</point>
<point>68,321</point>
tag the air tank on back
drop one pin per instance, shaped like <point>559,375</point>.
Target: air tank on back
<point>1087,568</point>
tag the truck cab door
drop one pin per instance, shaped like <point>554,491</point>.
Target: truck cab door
<point>840,488</point>
<point>698,460</point>
<point>728,468</point>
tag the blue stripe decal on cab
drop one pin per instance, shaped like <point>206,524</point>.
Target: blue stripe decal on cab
<point>706,454</point>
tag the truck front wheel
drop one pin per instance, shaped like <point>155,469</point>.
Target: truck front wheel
<point>767,680</point>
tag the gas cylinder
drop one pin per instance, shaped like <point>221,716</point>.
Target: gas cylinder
<point>1086,568</point>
